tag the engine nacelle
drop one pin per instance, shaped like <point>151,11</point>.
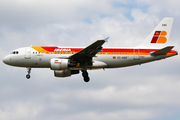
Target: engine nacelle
<point>65,73</point>
<point>59,64</point>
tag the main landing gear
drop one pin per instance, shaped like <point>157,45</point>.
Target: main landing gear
<point>29,71</point>
<point>85,75</point>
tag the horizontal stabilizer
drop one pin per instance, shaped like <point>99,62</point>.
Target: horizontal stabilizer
<point>162,51</point>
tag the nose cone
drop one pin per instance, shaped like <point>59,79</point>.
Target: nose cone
<point>5,60</point>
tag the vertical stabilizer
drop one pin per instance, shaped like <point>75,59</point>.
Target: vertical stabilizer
<point>159,37</point>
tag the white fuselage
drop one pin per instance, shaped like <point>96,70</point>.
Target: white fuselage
<point>28,57</point>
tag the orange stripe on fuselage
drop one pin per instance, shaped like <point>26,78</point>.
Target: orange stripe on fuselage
<point>39,49</point>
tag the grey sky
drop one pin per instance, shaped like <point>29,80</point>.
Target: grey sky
<point>149,91</point>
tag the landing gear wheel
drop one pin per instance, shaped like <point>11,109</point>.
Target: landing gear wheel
<point>28,76</point>
<point>85,73</point>
<point>86,79</point>
<point>85,76</point>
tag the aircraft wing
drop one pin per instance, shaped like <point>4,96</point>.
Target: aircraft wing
<point>88,52</point>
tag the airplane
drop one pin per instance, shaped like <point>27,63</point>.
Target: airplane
<point>67,61</point>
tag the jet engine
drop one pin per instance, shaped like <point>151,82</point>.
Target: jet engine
<point>61,64</point>
<point>65,73</point>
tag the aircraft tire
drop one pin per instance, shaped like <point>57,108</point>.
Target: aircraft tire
<point>28,76</point>
<point>85,74</point>
<point>86,79</point>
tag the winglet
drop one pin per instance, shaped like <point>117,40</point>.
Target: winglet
<point>162,51</point>
<point>106,39</point>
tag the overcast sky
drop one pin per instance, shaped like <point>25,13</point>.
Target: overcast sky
<point>147,92</point>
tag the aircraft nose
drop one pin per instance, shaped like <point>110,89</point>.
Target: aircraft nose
<point>6,60</point>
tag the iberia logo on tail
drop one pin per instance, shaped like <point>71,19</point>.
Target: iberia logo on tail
<point>159,37</point>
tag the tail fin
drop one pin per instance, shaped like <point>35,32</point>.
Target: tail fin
<point>159,37</point>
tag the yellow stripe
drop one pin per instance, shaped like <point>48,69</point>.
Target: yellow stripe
<point>39,49</point>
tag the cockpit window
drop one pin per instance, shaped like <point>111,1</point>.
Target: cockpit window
<point>15,52</point>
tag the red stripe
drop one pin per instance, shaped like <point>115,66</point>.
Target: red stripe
<point>51,49</point>
<point>116,50</point>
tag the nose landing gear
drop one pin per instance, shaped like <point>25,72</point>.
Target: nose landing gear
<point>29,71</point>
